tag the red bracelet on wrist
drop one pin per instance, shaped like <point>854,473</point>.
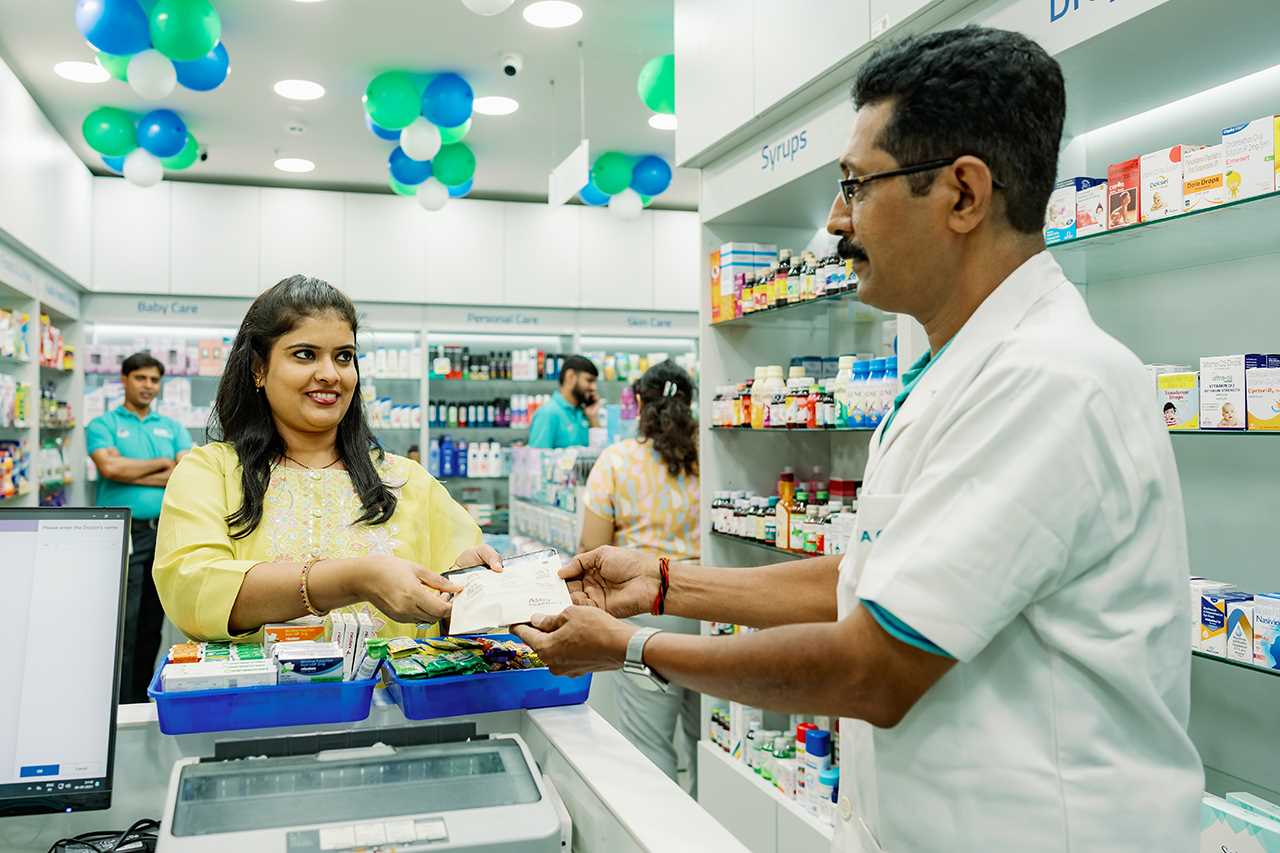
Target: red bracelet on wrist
<point>659,607</point>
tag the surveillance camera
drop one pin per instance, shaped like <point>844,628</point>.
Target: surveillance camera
<point>512,64</point>
<point>204,154</point>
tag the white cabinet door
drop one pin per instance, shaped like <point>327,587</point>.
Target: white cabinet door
<point>617,260</point>
<point>541,255</point>
<point>715,87</point>
<point>463,253</point>
<point>781,69</point>
<point>131,233</point>
<point>216,239</point>
<point>677,260</point>
<point>384,256</point>
<point>301,233</point>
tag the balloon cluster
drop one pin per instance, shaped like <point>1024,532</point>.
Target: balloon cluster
<point>430,160</point>
<point>177,41</point>
<point>140,148</point>
<point>626,184</point>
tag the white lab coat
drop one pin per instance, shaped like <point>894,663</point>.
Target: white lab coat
<point>1023,513</point>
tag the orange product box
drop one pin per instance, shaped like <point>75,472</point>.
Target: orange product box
<point>1123,202</point>
<point>292,632</point>
<point>717,301</point>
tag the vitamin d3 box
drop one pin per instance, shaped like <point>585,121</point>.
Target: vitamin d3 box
<point>1262,397</point>
<point>1202,185</point>
<point>1179,400</point>
<point>1123,180</point>
<point>1222,390</point>
<point>1213,620</point>
<point>1091,206</point>
<point>1249,158</point>
<point>1161,173</point>
<point>1240,631</point>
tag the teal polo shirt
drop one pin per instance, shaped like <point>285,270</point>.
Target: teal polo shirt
<point>559,424</point>
<point>152,437</point>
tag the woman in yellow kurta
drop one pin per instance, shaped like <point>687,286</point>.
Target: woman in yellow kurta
<point>293,509</point>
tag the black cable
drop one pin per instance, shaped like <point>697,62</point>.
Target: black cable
<point>143,831</point>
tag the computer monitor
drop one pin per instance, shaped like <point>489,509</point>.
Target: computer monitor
<point>62,577</point>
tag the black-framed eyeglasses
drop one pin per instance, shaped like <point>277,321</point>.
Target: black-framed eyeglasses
<point>849,187</point>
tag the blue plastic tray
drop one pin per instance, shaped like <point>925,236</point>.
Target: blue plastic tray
<point>483,693</point>
<point>196,711</point>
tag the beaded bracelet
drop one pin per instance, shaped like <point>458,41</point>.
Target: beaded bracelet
<point>302,588</point>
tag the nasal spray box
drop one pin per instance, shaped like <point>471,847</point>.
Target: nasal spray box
<point>1213,620</point>
<point>1249,158</point>
<point>1178,395</point>
<point>1222,390</point>
<point>1202,185</point>
<point>1161,175</point>
<point>1266,630</point>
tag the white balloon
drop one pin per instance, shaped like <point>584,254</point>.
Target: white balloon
<point>432,194</point>
<point>626,204</point>
<point>420,140</point>
<point>488,7</point>
<point>152,75</point>
<point>142,168</point>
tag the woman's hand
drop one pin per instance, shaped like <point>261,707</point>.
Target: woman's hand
<point>619,581</point>
<point>403,590</point>
<point>481,555</point>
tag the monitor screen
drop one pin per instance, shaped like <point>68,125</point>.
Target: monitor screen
<point>63,577</point>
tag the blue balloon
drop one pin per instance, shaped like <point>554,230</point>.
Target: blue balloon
<point>115,164</point>
<point>593,195</point>
<point>162,132</point>
<point>446,102</point>
<point>117,27</point>
<point>651,176</point>
<point>207,72</point>
<point>381,132</point>
<point>461,189</point>
<point>407,170</point>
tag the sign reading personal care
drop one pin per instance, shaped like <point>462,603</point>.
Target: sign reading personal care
<point>508,318</point>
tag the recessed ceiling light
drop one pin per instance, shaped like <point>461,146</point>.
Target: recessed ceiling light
<point>495,105</point>
<point>294,164</point>
<point>662,121</point>
<point>299,90</point>
<point>82,72</point>
<point>552,14</point>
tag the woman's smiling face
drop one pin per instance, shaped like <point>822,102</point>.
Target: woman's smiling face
<point>310,377</point>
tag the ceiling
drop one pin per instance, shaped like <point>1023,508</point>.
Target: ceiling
<point>342,44</point>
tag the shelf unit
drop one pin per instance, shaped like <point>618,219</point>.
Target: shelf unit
<point>784,432</point>
<point>23,370</point>
<point>725,784</point>
<point>68,386</point>
<point>763,546</point>
<point>1251,667</point>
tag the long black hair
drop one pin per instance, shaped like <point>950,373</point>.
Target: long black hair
<point>667,417</point>
<point>242,416</point>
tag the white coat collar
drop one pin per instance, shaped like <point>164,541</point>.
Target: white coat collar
<point>1002,311</point>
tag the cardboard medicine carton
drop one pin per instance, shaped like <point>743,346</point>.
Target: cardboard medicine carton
<point>1249,158</point>
<point>1179,400</point>
<point>1202,184</point>
<point>1161,174</point>
<point>1123,182</point>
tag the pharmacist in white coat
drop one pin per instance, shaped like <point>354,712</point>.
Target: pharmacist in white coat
<point>1006,638</point>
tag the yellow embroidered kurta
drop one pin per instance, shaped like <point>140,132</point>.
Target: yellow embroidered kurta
<point>199,568</point>
<point>650,509</point>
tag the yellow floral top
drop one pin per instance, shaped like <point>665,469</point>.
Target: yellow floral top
<point>199,568</point>
<point>650,509</point>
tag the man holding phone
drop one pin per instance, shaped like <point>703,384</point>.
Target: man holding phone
<point>567,419</point>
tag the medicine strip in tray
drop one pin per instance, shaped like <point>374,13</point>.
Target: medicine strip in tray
<point>440,656</point>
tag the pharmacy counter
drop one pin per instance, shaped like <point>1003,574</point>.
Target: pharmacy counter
<point>617,799</point>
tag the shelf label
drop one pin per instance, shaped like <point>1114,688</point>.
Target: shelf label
<point>1062,24</point>
<point>172,308</point>
<point>515,318</point>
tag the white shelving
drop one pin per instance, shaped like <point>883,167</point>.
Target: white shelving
<point>776,823</point>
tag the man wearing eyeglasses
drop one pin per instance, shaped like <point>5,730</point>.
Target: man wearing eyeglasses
<point>1005,639</point>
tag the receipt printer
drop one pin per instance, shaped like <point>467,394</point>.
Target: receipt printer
<point>482,796</point>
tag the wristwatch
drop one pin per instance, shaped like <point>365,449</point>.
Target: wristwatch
<point>634,665</point>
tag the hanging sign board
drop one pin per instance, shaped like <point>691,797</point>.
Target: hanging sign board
<point>570,176</point>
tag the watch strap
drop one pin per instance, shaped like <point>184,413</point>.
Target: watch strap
<point>635,646</point>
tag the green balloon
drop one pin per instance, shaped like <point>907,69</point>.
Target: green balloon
<point>450,135</point>
<point>657,84</point>
<point>110,132</point>
<point>183,158</point>
<point>612,172</point>
<point>184,30</point>
<point>646,200</point>
<point>454,164</point>
<point>392,100</point>
<point>116,66</point>
<point>402,189</point>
